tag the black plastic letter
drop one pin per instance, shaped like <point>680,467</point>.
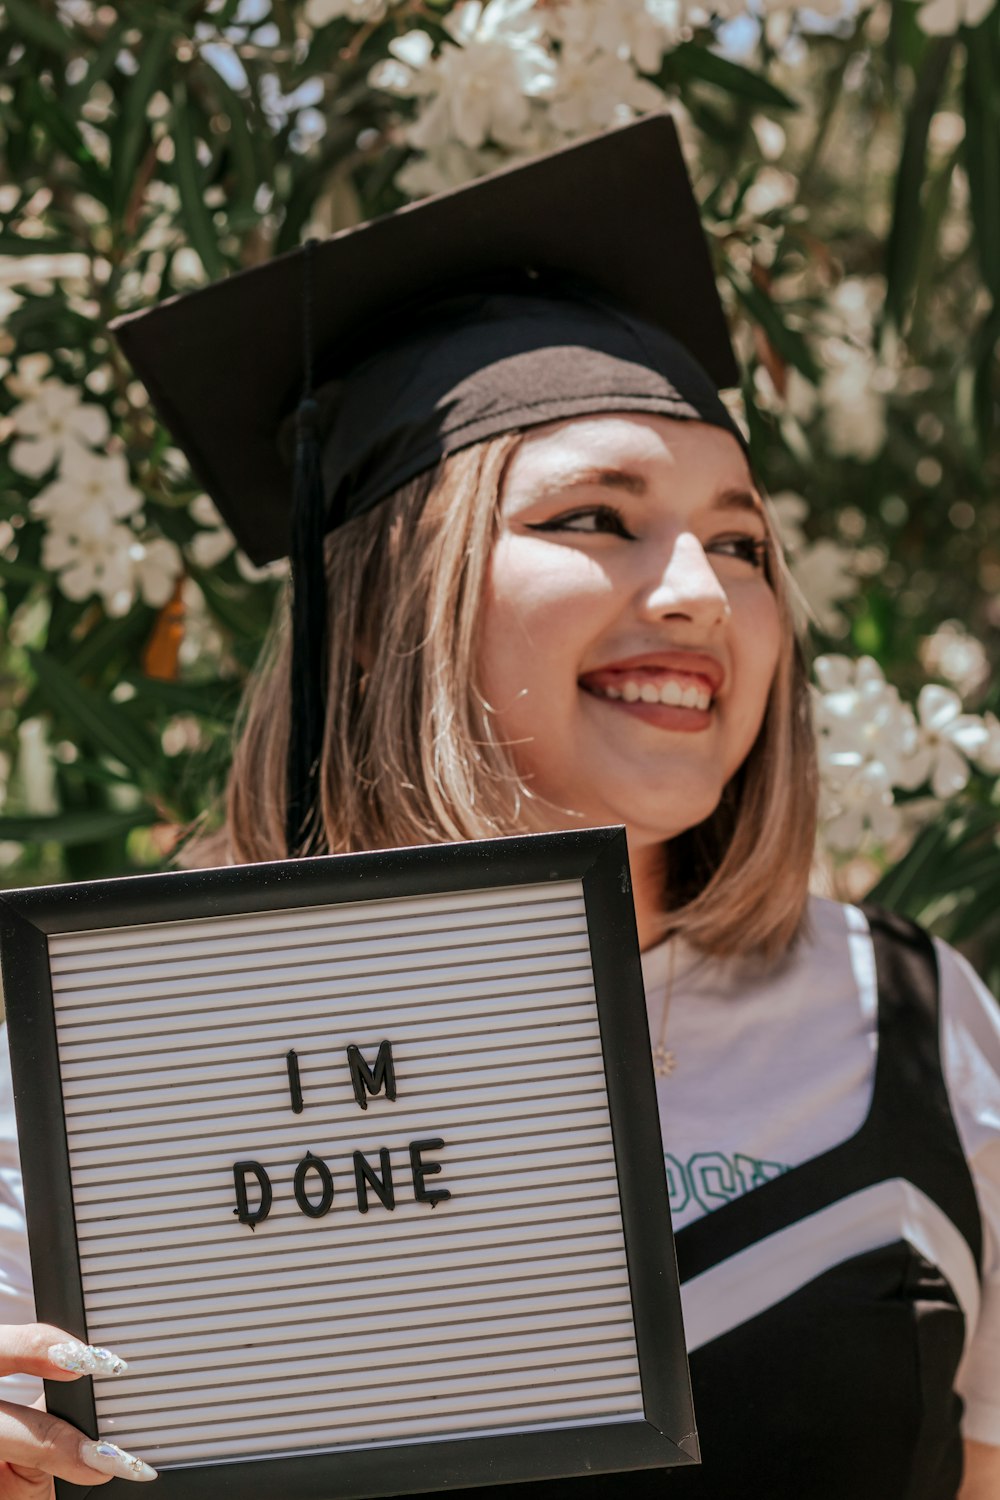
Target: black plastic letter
<point>364,1081</point>
<point>310,1163</point>
<point>294,1081</point>
<point>243,1211</point>
<point>422,1169</point>
<point>366,1177</point>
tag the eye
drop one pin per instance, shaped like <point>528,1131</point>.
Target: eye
<point>589,520</point>
<point>750,549</point>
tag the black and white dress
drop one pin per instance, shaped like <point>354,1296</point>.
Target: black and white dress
<point>831,1137</point>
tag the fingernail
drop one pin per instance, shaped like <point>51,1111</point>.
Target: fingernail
<point>108,1458</point>
<point>86,1359</point>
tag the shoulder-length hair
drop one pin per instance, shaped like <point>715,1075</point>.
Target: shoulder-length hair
<point>411,754</point>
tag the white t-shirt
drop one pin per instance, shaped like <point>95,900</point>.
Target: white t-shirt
<point>774,1070</point>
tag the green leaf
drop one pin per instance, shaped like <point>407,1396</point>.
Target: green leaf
<point>982,145</point>
<point>62,131</point>
<point>93,718</point>
<point>903,248</point>
<point>100,65</point>
<point>132,132</point>
<point>190,183</point>
<point>16,244</point>
<point>690,60</point>
<point>88,827</point>
<point>788,342</point>
<point>240,145</point>
<point>209,700</point>
<point>35,25</point>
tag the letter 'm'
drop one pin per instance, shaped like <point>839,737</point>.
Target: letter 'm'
<point>365,1080</point>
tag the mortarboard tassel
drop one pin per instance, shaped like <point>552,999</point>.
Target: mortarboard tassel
<point>309,604</point>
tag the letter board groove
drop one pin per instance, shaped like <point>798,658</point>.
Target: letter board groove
<point>356,1161</point>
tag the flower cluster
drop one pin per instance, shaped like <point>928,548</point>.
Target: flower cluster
<point>520,76</point>
<point>872,744</point>
<point>94,539</point>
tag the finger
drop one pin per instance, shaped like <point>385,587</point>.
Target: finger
<point>41,1349</point>
<point>32,1439</point>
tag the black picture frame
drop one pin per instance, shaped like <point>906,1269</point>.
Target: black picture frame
<point>596,857</point>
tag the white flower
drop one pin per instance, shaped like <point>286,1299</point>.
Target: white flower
<point>209,547</point>
<point>479,86</point>
<point>854,407</point>
<point>88,482</point>
<point>947,738</point>
<point>862,801</point>
<point>92,559</point>
<point>640,30</point>
<point>953,653</point>
<point>320,12</point>
<point>823,571</point>
<point>156,567</point>
<point>50,423</point>
<point>599,91</point>
<point>987,756</point>
<point>867,739</point>
<point>944,17</point>
<point>445,167</point>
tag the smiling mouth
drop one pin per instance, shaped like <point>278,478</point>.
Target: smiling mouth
<point>669,689</point>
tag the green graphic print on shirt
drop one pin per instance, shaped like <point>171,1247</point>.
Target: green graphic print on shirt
<point>710,1178</point>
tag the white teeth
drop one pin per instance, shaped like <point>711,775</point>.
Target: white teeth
<point>671,693</point>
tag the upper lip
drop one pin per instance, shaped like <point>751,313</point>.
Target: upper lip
<point>694,663</point>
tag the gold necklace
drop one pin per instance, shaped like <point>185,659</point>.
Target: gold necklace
<point>665,1061</point>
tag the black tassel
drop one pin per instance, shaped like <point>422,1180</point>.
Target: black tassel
<point>309,607</point>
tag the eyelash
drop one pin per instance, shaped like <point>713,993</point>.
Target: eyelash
<point>748,549</point>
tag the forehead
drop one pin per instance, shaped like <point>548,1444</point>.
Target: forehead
<point>648,446</point>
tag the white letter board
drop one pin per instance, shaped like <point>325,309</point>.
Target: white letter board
<point>356,1161</point>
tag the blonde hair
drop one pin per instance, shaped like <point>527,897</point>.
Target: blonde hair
<point>411,754</point>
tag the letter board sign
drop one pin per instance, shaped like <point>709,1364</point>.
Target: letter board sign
<point>356,1161</point>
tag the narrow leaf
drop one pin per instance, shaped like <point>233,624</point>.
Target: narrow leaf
<point>690,60</point>
<point>35,25</point>
<point>189,178</point>
<point>88,827</point>
<point>94,718</point>
<point>982,146</point>
<point>787,342</point>
<point>903,248</point>
<point>132,133</point>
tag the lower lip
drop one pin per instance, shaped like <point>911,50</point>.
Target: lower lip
<point>662,715</point>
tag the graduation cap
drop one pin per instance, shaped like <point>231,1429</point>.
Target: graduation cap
<point>577,282</point>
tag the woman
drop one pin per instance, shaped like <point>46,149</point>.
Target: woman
<point>553,597</point>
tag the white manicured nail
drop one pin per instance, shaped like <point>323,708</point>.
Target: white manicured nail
<point>108,1458</point>
<point>86,1359</point>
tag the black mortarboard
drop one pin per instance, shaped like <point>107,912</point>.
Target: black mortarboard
<point>576,282</point>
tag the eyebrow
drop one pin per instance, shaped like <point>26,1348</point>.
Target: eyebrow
<point>635,484</point>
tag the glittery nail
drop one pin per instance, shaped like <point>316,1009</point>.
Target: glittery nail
<point>108,1458</point>
<point>86,1359</point>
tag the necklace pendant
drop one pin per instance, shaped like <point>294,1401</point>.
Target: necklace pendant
<point>664,1061</point>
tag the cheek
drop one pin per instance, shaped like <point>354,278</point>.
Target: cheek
<point>538,614</point>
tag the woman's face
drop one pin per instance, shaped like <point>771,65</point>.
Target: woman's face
<point>629,634</point>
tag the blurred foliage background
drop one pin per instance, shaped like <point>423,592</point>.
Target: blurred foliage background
<point>848,161</point>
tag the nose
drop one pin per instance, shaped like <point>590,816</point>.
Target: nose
<point>685,586</point>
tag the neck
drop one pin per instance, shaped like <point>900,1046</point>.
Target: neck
<point>648,866</point>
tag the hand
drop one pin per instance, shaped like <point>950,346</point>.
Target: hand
<point>35,1446</point>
